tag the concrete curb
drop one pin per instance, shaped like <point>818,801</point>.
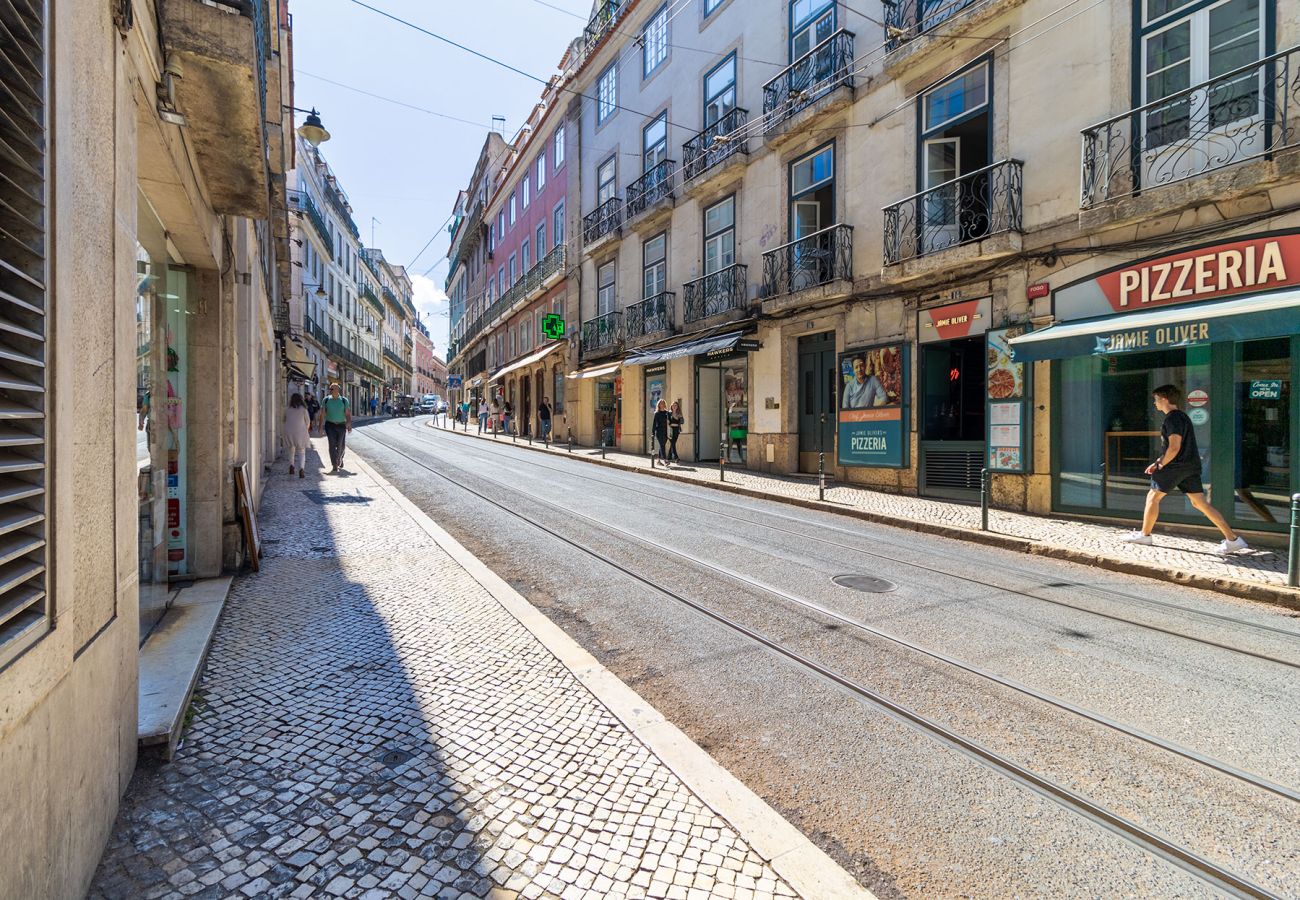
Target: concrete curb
<point>803,865</point>
<point>1276,595</point>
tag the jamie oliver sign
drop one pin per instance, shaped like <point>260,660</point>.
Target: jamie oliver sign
<point>956,320</point>
<point>1250,265</point>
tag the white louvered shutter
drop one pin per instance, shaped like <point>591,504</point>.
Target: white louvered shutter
<point>24,608</point>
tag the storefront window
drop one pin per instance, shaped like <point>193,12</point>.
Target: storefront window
<point>150,418</point>
<point>1109,430</point>
<point>608,401</point>
<point>1262,376</point>
<point>177,300</point>
<point>722,410</point>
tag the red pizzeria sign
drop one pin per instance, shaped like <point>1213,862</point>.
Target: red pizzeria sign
<point>1246,266</point>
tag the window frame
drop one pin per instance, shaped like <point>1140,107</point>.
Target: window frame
<point>557,148</point>
<point>662,145</point>
<point>525,192</point>
<point>734,88</point>
<point>612,267</point>
<point>984,62</point>
<point>612,182</point>
<point>662,263</point>
<point>660,43</point>
<point>607,106</point>
<point>540,167</point>
<point>557,224</point>
<point>796,29</point>
<point>512,218</point>
<point>710,236</point>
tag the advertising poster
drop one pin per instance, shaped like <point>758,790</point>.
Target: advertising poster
<point>872,417</point>
<point>1007,395</point>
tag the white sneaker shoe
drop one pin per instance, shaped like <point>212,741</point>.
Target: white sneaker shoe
<point>1136,537</point>
<point>1227,548</point>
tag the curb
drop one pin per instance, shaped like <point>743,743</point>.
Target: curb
<point>803,865</point>
<point>1276,595</point>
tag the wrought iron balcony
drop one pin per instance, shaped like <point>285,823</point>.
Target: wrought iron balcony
<point>602,333</point>
<point>714,144</point>
<point>301,201</point>
<point>602,220</point>
<point>601,22</point>
<point>651,315</point>
<point>652,187</point>
<point>719,292</point>
<point>968,208</point>
<point>812,76</point>
<point>371,298</point>
<point>819,258</point>
<point>906,19</point>
<point>1241,115</point>
<point>316,332</point>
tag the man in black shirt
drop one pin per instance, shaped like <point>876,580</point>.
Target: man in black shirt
<point>1179,466</point>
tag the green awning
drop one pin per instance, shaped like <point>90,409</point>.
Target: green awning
<point>1238,319</point>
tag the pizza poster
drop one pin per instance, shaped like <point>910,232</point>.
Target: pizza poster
<point>872,411</point>
<point>1008,393</point>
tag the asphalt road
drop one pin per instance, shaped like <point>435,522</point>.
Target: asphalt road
<point>1044,665</point>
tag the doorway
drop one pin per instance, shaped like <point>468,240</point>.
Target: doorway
<point>952,418</point>
<point>525,417</point>
<point>816,399</point>
<point>722,410</point>
<point>655,381</point>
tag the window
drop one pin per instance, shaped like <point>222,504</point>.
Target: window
<point>956,98</point>
<point>654,42</point>
<point>527,193</point>
<point>605,186</point>
<point>720,90</point>
<point>512,210</point>
<point>605,289</point>
<point>511,268</point>
<point>955,140</point>
<point>654,142</point>
<point>541,171</point>
<point>557,151</point>
<point>540,241</point>
<point>501,224</point>
<point>720,236</point>
<point>710,6</point>
<point>501,282</point>
<point>811,22</point>
<point>607,94</point>
<point>812,192</point>
<point>654,266</point>
<point>557,223</point>
<point>524,257</point>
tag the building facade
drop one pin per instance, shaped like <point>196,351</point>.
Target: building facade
<point>146,276</point>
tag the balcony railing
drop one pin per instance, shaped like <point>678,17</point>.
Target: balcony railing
<point>602,332</point>
<point>651,315</point>
<point>819,258</point>
<point>809,78</point>
<point>714,144</point>
<point>719,292</point>
<point>1244,114</point>
<point>967,208</point>
<point>602,220</point>
<point>300,200</point>
<point>538,277</point>
<point>651,188</point>
<point>389,295</point>
<point>317,333</point>
<point>601,22</point>
<point>396,359</point>
<point>905,19</point>
<point>371,298</point>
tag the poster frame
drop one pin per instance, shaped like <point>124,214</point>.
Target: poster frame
<point>904,454</point>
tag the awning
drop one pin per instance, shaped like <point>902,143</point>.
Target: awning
<point>296,362</point>
<point>527,360</point>
<point>597,371</point>
<point>1248,318</point>
<point>688,348</point>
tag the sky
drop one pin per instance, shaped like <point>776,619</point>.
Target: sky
<point>401,166</point>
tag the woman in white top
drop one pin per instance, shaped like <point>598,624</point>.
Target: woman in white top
<point>297,429</point>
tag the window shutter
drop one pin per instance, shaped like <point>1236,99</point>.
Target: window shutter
<point>23,604</point>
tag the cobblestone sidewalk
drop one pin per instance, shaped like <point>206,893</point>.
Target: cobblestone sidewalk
<point>1171,553</point>
<point>373,723</point>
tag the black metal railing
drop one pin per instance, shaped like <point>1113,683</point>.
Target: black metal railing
<point>602,220</point>
<point>301,200</point>
<point>389,295</point>
<point>317,333</point>
<point>601,22</point>
<point>719,292</point>
<point>652,187</point>
<point>602,332</point>
<point>370,297</point>
<point>967,208</point>
<point>536,278</point>
<point>396,359</point>
<point>905,19</point>
<point>650,316</point>
<point>1241,115</point>
<point>812,76</point>
<point>714,144</point>
<point>817,259</point>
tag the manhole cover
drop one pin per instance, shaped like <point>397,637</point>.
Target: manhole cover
<point>869,583</point>
<point>394,758</point>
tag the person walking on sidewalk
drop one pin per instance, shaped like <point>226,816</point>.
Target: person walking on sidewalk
<point>313,407</point>
<point>297,434</point>
<point>675,422</point>
<point>1179,466</point>
<point>374,405</point>
<point>337,417</point>
<point>659,427</point>
<point>544,417</point>
<point>483,413</point>
<point>507,416</point>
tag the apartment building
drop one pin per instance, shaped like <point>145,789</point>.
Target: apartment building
<point>144,275</point>
<point>943,239</point>
<point>396,328</point>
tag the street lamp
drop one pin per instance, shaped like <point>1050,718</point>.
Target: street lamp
<point>311,130</point>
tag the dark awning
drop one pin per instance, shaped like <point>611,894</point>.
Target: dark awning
<point>694,347</point>
<point>1245,318</point>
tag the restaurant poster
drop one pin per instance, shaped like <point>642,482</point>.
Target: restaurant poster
<point>1008,398</point>
<point>872,416</point>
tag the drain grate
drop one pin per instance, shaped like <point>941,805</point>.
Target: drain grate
<point>868,583</point>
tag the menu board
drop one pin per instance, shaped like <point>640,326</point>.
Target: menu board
<point>1008,393</point>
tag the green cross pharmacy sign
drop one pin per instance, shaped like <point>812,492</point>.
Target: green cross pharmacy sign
<point>553,326</point>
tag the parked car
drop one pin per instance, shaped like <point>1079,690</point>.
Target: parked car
<point>428,404</point>
<point>404,405</point>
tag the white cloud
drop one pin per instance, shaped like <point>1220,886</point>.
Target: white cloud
<point>434,307</point>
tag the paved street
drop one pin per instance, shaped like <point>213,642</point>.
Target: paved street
<point>967,671</point>
<point>374,723</point>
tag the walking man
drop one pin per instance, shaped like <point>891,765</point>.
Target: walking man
<point>1179,466</point>
<point>544,417</point>
<point>337,417</point>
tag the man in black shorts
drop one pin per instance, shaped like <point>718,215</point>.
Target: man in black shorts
<point>1179,466</point>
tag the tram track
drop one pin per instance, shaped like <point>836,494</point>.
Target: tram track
<point>1104,594</point>
<point>1147,839</point>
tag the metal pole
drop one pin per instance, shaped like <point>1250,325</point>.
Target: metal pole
<point>1293,556</point>
<point>984,499</point>
<point>570,440</point>
<point>722,461</point>
<point>821,475</point>
<point>602,446</point>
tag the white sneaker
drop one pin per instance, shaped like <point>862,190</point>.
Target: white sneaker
<point>1136,537</point>
<point>1226,548</point>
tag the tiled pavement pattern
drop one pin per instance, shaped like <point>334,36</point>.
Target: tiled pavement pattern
<point>1180,554</point>
<point>372,723</point>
